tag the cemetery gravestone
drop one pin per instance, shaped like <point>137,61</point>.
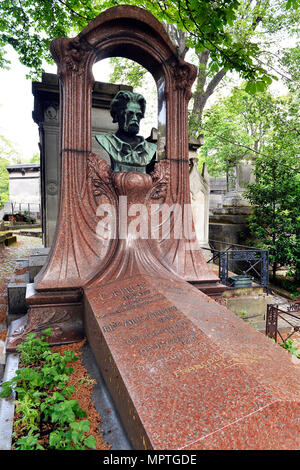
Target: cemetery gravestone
<point>184,372</point>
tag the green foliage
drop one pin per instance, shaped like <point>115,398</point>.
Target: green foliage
<point>234,129</point>
<point>236,35</point>
<point>125,70</point>
<point>225,29</point>
<point>243,314</point>
<point>291,347</point>
<point>265,131</point>
<point>32,350</point>
<point>275,193</point>
<point>29,442</point>
<point>72,438</point>
<point>35,158</point>
<point>4,179</point>
<point>29,25</point>
<point>8,155</point>
<point>288,284</point>
<point>43,400</point>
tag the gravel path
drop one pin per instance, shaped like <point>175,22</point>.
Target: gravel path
<point>8,258</point>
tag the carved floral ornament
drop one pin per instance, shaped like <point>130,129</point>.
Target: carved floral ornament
<point>71,54</point>
<point>184,76</point>
<point>101,177</point>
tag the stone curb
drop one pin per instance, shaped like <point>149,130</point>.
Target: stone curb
<point>7,406</point>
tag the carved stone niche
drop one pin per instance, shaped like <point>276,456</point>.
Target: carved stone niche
<point>46,115</point>
<point>78,254</point>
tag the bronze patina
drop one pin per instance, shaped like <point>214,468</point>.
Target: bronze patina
<point>128,151</point>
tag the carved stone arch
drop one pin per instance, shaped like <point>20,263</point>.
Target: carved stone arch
<point>77,253</point>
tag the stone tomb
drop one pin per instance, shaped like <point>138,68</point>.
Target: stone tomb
<point>185,373</point>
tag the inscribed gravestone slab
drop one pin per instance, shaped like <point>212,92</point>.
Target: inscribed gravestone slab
<point>178,381</point>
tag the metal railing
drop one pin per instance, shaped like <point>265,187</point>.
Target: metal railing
<point>289,314</point>
<point>18,207</point>
<point>240,260</point>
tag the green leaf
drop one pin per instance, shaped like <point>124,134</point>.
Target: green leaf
<point>90,442</point>
<point>288,4</point>
<point>81,426</point>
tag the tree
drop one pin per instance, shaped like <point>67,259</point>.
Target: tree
<point>235,128</point>
<point>244,42</point>
<point>28,26</point>
<point>8,155</point>
<point>266,130</point>
<point>3,180</point>
<point>275,221</point>
<point>275,193</point>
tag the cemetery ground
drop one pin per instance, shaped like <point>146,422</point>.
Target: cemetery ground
<point>80,379</point>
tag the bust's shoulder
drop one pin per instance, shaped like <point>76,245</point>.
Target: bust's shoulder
<point>102,138</point>
<point>151,145</point>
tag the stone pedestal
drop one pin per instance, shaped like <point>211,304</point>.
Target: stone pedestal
<point>61,311</point>
<point>229,210</point>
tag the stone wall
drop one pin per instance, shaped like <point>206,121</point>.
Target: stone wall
<point>24,187</point>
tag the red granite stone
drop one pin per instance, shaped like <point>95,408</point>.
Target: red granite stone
<point>77,254</point>
<point>186,373</point>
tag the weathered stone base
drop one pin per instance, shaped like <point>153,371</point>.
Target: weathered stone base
<point>248,302</point>
<point>215,290</point>
<point>60,311</point>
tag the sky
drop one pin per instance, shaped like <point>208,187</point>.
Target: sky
<point>16,104</point>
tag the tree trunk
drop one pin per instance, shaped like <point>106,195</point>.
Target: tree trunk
<point>204,91</point>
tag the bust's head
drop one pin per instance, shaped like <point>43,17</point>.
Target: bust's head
<point>127,109</point>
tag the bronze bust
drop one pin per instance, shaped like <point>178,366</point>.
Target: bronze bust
<point>128,151</point>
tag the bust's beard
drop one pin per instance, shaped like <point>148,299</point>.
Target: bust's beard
<point>133,129</point>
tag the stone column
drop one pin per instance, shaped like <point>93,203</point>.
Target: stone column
<point>46,114</point>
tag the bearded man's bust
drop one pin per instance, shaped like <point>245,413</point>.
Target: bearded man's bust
<point>128,151</point>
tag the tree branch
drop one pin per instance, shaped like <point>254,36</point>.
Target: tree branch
<point>73,11</point>
<point>215,82</point>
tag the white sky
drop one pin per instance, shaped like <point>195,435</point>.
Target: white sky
<point>16,104</point>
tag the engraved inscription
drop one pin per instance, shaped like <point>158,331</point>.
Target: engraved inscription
<point>134,321</point>
<point>151,329</point>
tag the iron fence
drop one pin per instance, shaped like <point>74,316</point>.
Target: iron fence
<point>289,314</point>
<point>240,260</point>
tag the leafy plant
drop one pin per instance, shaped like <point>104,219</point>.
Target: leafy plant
<point>29,442</point>
<point>44,406</point>
<point>74,437</point>
<point>243,314</point>
<point>33,347</point>
<point>291,347</point>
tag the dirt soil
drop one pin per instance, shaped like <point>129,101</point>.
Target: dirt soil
<point>83,385</point>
